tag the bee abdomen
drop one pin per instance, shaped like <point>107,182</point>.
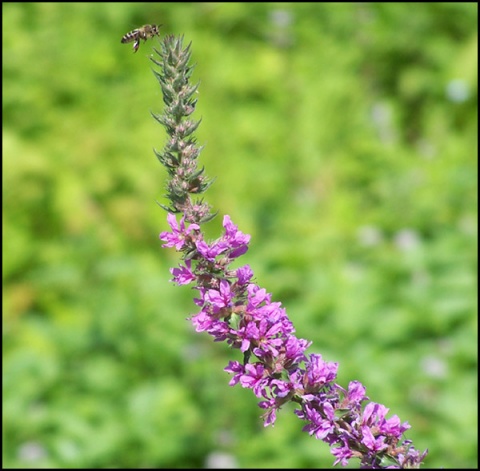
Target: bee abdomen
<point>130,36</point>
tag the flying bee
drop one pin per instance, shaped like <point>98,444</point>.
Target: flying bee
<point>145,32</point>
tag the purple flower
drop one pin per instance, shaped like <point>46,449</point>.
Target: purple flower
<point>393,426</point>
<point>244,274</point>
<point>321,424</point>
<point>255,378</point>
<point>265,333</point>
<point>220,298</point>
<point>219,331</point>
<point>235,239</point>
<point>237,369</point>
<point>176,238</point>
<point>235,310</point>
<point>342,454</point>
<point>276,314</point>
<point>374,416</point>
<point>294,349</point>
<point>256,296</point>
<point>412,458</point>
<point>210,252</point>
<point>294,384</point>
<point>202,321</point>
<point>183,275</point>
<point>319,372</point>
<point>356,392</point>
<point>262,334</point>
<point>271,414</point>
<point>372,443</point>
<point>374,413</point>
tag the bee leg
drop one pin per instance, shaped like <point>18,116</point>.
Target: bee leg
<point>136,45</point>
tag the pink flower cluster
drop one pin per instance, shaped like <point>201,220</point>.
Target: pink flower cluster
<point>235,310</point>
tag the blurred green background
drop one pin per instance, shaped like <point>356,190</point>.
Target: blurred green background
<point>343,138</point>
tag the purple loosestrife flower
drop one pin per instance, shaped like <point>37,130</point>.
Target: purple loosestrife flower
<point>221,298</point>
<point>183,275</point>
<point>237,240</point>
<point>234,309</point>
<point>179,233</point>
<point>319,372</point>
<point>342,454</point>
<point>262,328</point>
<point>321,423</point>
<point>244,275</point>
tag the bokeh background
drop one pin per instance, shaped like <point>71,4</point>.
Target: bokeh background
<point>343,138</point>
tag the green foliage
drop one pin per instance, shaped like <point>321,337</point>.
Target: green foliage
<point>343,138</point>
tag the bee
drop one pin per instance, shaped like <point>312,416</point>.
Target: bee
<point>144,32</point>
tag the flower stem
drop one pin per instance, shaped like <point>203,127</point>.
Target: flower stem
<point>236,310</point>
